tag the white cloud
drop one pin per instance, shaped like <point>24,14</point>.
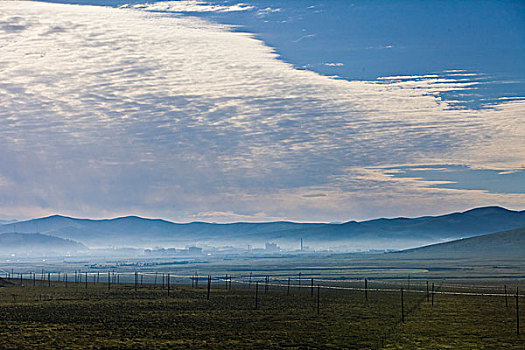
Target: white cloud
<point>123,111</point>
<point>190,6</point>
<point>268,10</point>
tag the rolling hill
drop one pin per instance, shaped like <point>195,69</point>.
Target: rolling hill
<point>507,244</point>
<point>398,233</point>
<point>36,244</point>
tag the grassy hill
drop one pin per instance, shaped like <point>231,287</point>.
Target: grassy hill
<point>35,244</point>
<point>507,244</point>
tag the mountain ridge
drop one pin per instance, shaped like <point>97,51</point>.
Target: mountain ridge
<point>393,233</point>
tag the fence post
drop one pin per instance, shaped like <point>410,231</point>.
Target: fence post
<point>209,286</point>
<point>432,294</point>
<point>427,293</point>
<point>226,282</point>
<point>136,280</point>
<point>402,307</point>
<point>230,282</point>
<point>168,282</point>
<point>517,313</point>
<point>506,302</point>
<point>196,280</point>
<point>86,280</point>
<point>34,279</point>
<point>109,280</point>
<point>318,299</point>
<point>312,287</point>
<point>250,283</point>
<point>65,276</point>
<point>49,279</point>
<point>366,289</point>
<point>256,294</point>
<point>98,277</point>
<point>267,279</point>
<point>288,291</point>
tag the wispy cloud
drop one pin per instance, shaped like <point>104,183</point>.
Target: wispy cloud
<point>127,112</point>
<point>189,6</point>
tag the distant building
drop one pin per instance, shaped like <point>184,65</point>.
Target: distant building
<point>195,250</point>
<point>272,247</point>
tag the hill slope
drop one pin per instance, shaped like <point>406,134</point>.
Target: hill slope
<point>507,244</point>
<point>35,244</point>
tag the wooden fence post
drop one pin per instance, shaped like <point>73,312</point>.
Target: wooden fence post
<point>49,279</point>
<point>196,279</point>
<point>402,307</point>
<point>506,301</point>
<point>312,287</point>
<point>256,294</point>
<point>432,294</point>
<point>34,279</point>
<point>427,293</point>
<point>168,282</point>
<point>250,282</point>
<point>209,286</point>
<point>86,280</point>
<point>318,300</point>
<point>65,277</point>
<point>288,291</point>
<point>366,289</point>
<point>109,280</point>
<point>517,313</point>
<point>136,280</point>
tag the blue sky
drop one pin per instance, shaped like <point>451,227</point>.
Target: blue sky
<point>265,110</point>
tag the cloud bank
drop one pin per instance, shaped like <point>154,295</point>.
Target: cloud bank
<point>108,112</point>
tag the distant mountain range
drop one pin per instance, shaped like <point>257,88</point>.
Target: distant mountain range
<point>36,244</point>
<point>399,233</point>
<point>507,244</point>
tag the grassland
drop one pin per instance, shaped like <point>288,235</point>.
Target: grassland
<point>122,317</point>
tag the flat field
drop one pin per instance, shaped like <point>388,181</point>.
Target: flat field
<point>94,317</point>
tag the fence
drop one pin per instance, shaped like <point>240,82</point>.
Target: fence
<point>368,287</point>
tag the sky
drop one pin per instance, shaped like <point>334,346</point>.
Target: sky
<point>259,111</point>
